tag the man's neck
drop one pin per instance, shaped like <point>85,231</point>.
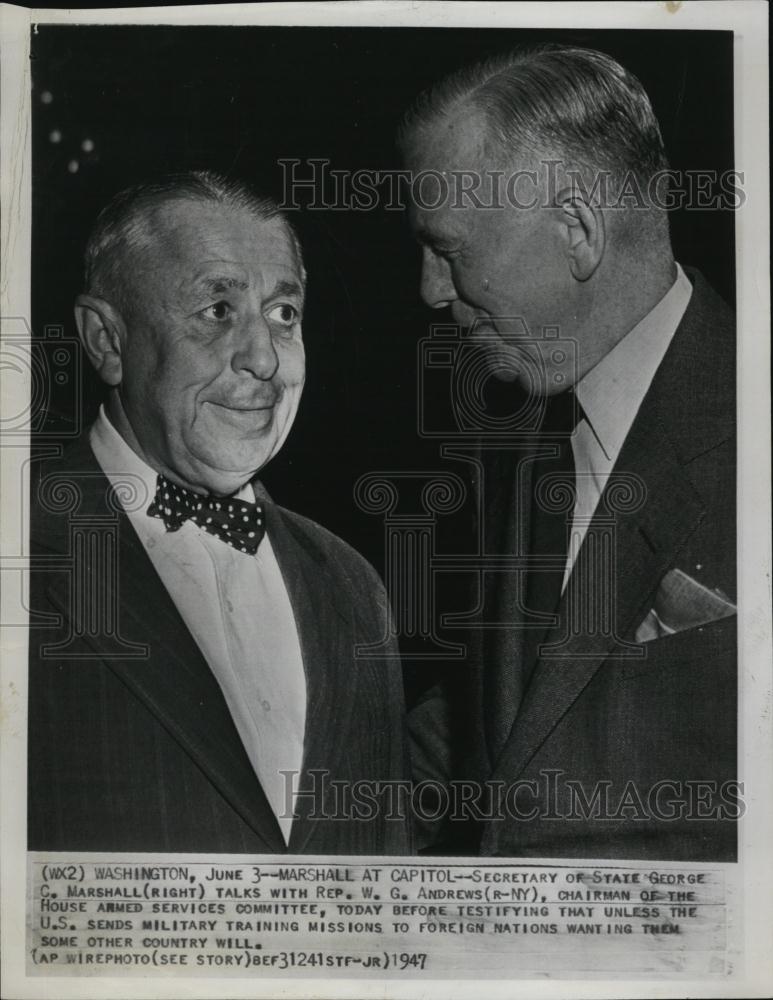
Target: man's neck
<point>641,287</point>
<point>117,417</point>
<point>633,292</point>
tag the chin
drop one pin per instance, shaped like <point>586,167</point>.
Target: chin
<point>223,482</point>
<point>220,457</point>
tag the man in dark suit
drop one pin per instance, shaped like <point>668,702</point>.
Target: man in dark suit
<point>198,676</point>
<point>598,716</point>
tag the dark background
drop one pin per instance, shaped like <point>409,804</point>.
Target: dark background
<point>154,99</point>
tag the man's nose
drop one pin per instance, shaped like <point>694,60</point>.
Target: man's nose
<point>255,353</point>
<point>437,286</point>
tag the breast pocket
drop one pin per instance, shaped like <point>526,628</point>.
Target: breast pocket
<point>689,649</point>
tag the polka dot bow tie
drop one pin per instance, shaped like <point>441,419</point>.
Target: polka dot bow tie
<point>234,522</point>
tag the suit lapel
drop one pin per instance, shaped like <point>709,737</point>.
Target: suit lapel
<point>646,543</point>
<point>668,431</point>
<point>173,681</point>
<point>327,638</point>
<point>507,503</point>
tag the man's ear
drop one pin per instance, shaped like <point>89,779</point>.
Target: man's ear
<point>102,331</point>
<point>585,233</point>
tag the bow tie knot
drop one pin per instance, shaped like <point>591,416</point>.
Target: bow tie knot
<point>236,522</point>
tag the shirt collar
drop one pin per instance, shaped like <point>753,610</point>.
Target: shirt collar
<point>612,392</point>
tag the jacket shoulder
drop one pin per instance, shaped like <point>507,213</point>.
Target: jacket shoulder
<point>708,327</point>
<point>326,547</point>
<point>692,397</point>
<point>62,485</point>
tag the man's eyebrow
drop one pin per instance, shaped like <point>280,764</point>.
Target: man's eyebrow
<point>284,287</point>
<point>218,283</point>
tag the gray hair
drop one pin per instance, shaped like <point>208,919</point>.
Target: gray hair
<point>574,102</point>
<point>121,226</point>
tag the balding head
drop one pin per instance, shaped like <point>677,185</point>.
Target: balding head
<point>132,222</point>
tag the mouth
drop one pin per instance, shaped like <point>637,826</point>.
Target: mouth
<point>473,321</point>
<point>261,404</point>
<point>257,414</point>
<point>462,314</point>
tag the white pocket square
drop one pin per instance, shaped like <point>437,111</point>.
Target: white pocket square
<point>681,603</point>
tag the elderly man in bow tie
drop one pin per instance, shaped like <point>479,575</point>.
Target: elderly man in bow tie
<point>197,686</point>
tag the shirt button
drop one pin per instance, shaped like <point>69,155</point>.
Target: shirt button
<point>229,606</point>
<point>266,705</point>
<point>150,543</point>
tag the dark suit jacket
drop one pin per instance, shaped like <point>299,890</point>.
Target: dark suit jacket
<point>617,726</point>
<point>131,745</point>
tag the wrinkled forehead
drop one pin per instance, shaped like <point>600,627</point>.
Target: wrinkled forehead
<point>178,234</point>
<point>464,180</point>
<point>446,158</point>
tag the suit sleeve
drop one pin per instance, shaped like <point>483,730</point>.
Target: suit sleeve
<point>400,833</point>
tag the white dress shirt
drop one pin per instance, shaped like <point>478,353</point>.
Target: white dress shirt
<point>610,395</point>
<point>237,609</point>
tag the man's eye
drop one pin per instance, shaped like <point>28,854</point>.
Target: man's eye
<point>284,314</point>
<point>217,311</point>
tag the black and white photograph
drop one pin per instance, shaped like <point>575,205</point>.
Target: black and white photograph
<point>386,500</point>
